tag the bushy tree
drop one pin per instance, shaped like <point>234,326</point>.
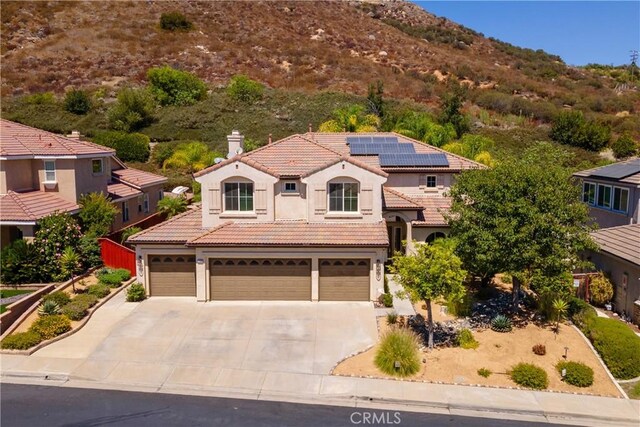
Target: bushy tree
<point>133,110</point>
<point>130,147</point>
<point>89,250</point>
<point>20,263</point>
<point>175,87</point>
<point>175,21</point>
<point>572,128</point>
<point>421,126</point>
<point>434,271</point>
<point>242,88</point>
<point>172,206</point>
<point>97,214</point>
<point>474,147</point>
<point>524,216</point>
<point>351,119</point>
<point>451,104</point>
<point>77,102</point>
<point>55,233</point>
<point>624,146</point>
<point>190,157</point>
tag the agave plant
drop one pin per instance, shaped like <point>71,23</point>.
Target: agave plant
<point>501,323</point>
<point>48,308</point>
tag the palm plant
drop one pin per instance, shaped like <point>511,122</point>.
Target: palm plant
<point>420,126</point>
<point>70,265</point>
<point>172,206</point>
<point>351,119</point>
<point>560,308</point>
<point>190,157</point>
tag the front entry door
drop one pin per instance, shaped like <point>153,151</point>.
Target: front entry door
<point>395,240</point>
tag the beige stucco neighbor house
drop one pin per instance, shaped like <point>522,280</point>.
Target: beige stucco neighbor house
<point>41,173</point>
<point>309,217</point>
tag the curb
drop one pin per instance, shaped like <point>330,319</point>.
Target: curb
<point>73,331</point>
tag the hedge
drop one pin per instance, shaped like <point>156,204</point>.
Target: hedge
<point>21,341</point>
<point>618,346</point>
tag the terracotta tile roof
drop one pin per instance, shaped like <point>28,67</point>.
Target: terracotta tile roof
<point>122,191</point>
<point>632,165</point>
<point>434,208</point>
<point>393,199</point>
<point>295,233</point>
<point>623,242</point>
<point>138,178</point>
<point>178,229</point>
<point>32,205</point>
<point>337,141</point>
<point>17,140</point>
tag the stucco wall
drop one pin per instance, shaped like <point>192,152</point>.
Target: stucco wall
<point>87,181</point>
<point>291,205</point>
<point>409,183</point>
<point>608,218</point>
<point>15,175</point>
<point>136,215</point>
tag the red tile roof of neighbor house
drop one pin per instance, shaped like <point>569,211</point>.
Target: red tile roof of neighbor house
<point>120,191</point>
<point>622,241</point>
<point>294,233</point>
<point>17,140</point>
<point>137,178</point>
<point>178,229</point>
<point>393,199</point>
<point>32,205</point>
<point>292,157</point>
<point>434,208</point>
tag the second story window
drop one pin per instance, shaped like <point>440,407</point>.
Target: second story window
<point>146,202</point>
<point>290,187</point>
<point>238,196</point>
<point>343,197</point>
<point>589,193</point>
<point>97,166</point>
<point>620,199</point>
<point>50,171</point>
<point>604,196</point>
<point>125,211</point>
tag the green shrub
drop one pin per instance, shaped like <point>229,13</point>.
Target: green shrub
<point>392,318</point>
<point>466,340</point>
<point>110,279</point>
<point>77,102</point>
<point>387,300</point>
<point>624,146</point>
<point>618,346</point>
<point>530,376</point>
<point>61,298</point>
<point>242,88</point>
<point>123,273</point>
<point>51,326</point>
<point>386,284</point>
<point>130,147</point>
<point>571,128</point>
<point>175,87</point>
<point>400,346</point>
<point>501,323</point>
<point>20,263</point>
<point>21,341</point>
<point>75,310</point>
<point>48,308</point>
<point>175,21</point>
<point>577,373</point>
<point>136,293</point>
<point>99,290</point>
<point>600,290</point>
<point>484,372</point>
<point>39,98</point>
<point>133,110</point>
<point>460,307</point>
<point>86,299</point>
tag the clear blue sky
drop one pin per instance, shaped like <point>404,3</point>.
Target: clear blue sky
<point>579,31</point>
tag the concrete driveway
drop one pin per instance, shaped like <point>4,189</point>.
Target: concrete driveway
<point>182,341</point>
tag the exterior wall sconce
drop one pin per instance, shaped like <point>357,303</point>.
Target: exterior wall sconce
<point>378,269</point>
<point>139,265</point>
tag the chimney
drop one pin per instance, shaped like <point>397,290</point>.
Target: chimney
<point>310,128</point>
<point>269,138</point>
<point>74,135</point>
<point>236,143</point>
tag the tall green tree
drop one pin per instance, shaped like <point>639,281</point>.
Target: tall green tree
<point>451,104</point>
<point>97,213</point>
<point>190,157</point>
<point>351,119</point>
<point>433,271</point>
<point>524,216</point>
<point>374,97</point>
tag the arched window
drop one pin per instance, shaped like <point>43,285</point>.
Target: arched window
<point>433,236</point>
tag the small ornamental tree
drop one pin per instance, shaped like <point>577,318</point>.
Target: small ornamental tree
<point>133,110</point>
<point>600,290</point>
<point>55,233</point>
<point>77,102</point>
<point>242,88</point>
<point>70,265</point>
<point>175,87</point>
<point>130,147</point>
<point>433,272</point>
<point>97,214</point>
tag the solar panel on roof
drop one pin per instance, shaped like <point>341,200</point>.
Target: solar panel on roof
<point>618,171</point>
<point>367,149</point>
<point>372,140</point>
<point>408,160</point>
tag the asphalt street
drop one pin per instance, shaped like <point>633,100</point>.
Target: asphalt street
<point>34,406</point>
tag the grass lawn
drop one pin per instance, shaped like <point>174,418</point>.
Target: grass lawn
<point>6,293</point>
<point>632,389</point>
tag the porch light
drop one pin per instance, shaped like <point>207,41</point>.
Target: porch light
<point>566,352</point>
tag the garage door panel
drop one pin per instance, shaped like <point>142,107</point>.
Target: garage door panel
<point>172,275</point>
<point>260,279</point>
<point>344,280</point>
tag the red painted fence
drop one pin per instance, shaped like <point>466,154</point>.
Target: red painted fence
<point>117,256</point>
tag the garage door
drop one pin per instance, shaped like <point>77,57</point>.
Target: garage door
<point>172,276</point>
<point>344,280</point>
<point>260,279</point>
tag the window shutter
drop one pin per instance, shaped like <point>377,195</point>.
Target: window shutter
<point>214,199</point>
<point>320,200</point>
<point>261,199</point>
<point>440,180</point>
<point>422,180</point>
<point>366,200</point>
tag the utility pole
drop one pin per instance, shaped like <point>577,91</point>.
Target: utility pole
<point>633,65</point>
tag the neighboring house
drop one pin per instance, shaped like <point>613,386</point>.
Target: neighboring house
<point>309,217</point>
<point>41,173</point>
<point>613,193</point>
<point>619,259</point>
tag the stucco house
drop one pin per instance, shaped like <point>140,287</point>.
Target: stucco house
<point>309,217</point>
<point>613,193</point>
<point>42,172</point>
<point>619,259</point>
